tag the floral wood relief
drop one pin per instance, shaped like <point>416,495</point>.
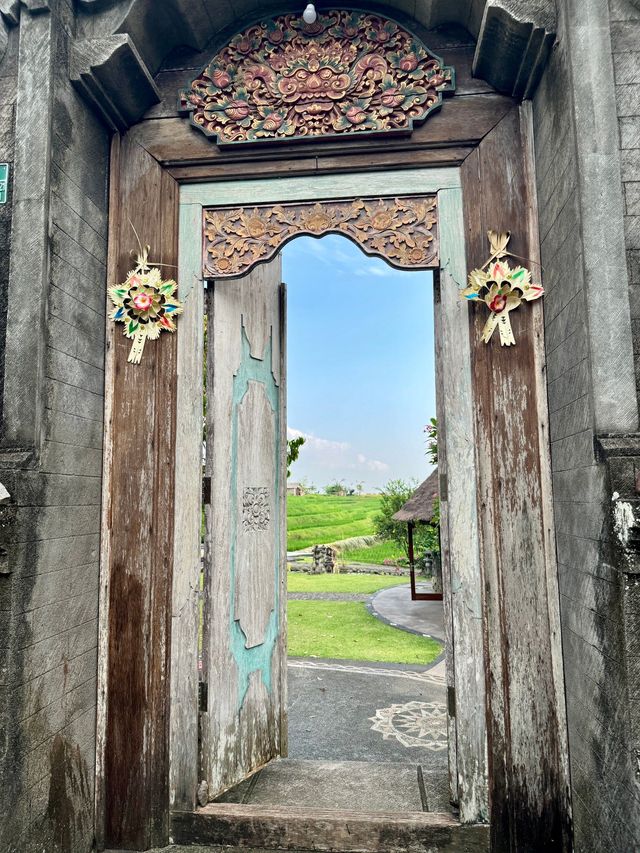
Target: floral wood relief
<point>348,73</point>
<point>403,231</point>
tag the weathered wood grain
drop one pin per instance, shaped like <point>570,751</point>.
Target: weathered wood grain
<point>105,525</point>
<point>245,658</point>
<point>139,526</point>
<point>459,514</point>
<point>188,494</point>
<point>255,543</point>
<point>345,163</point>
<point>394,182</point>
<point>525,702</point>
<point>445,553</point>
<point>328,830</point>
<point>461,122</point>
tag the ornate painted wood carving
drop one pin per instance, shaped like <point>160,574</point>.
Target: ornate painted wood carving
<point>403,231</point>
<point>349,73</point>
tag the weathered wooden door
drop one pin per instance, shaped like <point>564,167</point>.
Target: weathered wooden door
<point>243,713</point>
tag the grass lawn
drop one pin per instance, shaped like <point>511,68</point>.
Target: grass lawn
<point>320,519</point>
<point>298,582</point>
<point>374,554</point>
<point>345,629</point>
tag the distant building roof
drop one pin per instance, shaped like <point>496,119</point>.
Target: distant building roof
<point>420,505</point>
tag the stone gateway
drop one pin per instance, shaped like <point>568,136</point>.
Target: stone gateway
<point>214,132</point>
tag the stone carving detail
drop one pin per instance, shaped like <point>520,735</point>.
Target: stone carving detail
<point>256,513</point>
<point>403,231</point>
<point>324,559</point>
<point>349,73</point>
<point>421,724</point>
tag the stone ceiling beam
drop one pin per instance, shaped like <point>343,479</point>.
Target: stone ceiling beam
<point>131,38</point>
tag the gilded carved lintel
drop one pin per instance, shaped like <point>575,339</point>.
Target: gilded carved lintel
<point>403,231</point>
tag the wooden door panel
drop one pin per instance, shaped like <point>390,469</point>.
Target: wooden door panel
<point>245,648</point>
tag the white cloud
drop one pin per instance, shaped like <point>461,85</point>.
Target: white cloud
<point>378,270</point>
<point>377,465</point>
<point>333,455</point>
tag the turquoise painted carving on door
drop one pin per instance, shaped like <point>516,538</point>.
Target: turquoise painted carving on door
<point>253,517</point>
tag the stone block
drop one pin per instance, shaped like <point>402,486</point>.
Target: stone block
<point>71,429</point>
<point>87,289</point>
<point>65,368</point>
<point>73,401</point>
<point>567,354</point>
<point>624,36</point>
<point>628,100</point>
<point>58,458</point>
<point>572,384</point>
<point>626,68</point>
<point>573,418</point>
<point>574,452</point>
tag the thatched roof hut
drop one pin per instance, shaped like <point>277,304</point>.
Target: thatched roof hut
<point>420,505</point>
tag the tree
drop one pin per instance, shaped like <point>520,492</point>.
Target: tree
<point>392,497</point>
<point>293,451</point>
<point>335,489</point>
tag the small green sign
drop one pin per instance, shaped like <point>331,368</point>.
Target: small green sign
<point>4,182</point>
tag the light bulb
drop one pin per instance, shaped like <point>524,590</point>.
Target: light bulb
<point>309,16</point>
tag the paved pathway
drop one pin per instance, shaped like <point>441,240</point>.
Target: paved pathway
<point>394,606</point>
<point>343,710</point>
<point>362,711</point>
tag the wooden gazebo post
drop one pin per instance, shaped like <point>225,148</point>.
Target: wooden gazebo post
<point>419,508</point>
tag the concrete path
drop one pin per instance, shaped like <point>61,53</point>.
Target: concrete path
<point>395,607</point>
<point>363,711</point>
<point>363,736</point>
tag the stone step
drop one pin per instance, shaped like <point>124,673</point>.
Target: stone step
<point>276,828</point>
<point>367,786</point>
<point>342,807</point>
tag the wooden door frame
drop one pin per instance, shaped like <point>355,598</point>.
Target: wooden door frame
<point>462,577</point>
<point>526,755</point>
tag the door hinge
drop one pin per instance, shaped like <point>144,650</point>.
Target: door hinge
<point>206,490</point>
<point>442,487</point>
<point>451,701</point>
<point>203,696</point>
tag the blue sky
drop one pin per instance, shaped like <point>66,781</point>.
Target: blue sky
<point>360,364</point>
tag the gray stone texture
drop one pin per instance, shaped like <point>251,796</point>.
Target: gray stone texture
<point>625,43</point>
<point>49,601</point>
<point>588,338</point>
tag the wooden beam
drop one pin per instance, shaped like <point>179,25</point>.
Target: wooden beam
<point>344,163</point>
<point>527,738</point>
<point>459,516</point>
<point>137,546</point>
<point>188,501</point>
<point>462,122</point>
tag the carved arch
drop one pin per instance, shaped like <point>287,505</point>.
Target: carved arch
<point>348,73</point>
<point>402,231</point>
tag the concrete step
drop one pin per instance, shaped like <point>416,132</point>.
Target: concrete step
<point>353,785</point>
<point>342,807</point>
<point>271,828</point>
